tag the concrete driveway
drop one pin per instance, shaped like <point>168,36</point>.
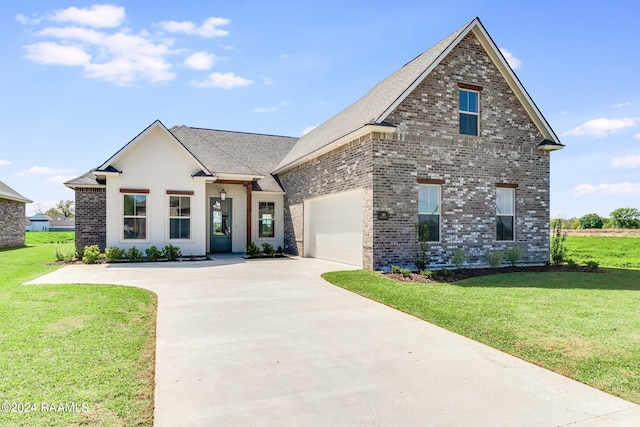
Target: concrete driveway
<point>268,342</point>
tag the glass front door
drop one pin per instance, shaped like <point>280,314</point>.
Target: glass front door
<point>220,225</point>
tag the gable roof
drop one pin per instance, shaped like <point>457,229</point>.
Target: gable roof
<point>237,153</point>
<point>9,193</point>
<point>374,107</point>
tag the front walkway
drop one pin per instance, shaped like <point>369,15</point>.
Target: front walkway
<point>268,342</point>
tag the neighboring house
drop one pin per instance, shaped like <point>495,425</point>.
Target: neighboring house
<point>39,222</point>
<point>60,223</point>
<point>449,150</point>
<point>12,213</point>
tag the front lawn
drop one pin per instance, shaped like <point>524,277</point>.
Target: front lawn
<point>623,252</point>
<point>582,325</point>
<point>86,349</point>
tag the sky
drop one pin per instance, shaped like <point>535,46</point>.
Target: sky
<point>80,79</point>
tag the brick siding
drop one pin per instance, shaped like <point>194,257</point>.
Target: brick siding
<point>12,216</point>
<point>91,217</point>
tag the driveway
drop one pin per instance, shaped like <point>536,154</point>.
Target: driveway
<point>268,342</point>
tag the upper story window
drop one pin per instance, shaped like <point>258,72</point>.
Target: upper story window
<point>266,218</point>
<point>179,217</point>
<point>135,216</point>
<point>469,107</point>
<point>505,213</point>
<point>429,213</point>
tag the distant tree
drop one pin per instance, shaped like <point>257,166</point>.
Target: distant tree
<point>66,208</point>
<point>53,212</point>
<point>591,220</point>
<point>38,207</point>
<point>625,218</point>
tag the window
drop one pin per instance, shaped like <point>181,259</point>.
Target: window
<point>505,213</point>
<point>266,212</point>
<point>179,217</point>
<point>469,112</point>
<point>429,213</point>
<point>135,216</point>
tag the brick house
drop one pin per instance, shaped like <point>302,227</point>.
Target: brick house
<point>12,214</point>
<point>449,150</point>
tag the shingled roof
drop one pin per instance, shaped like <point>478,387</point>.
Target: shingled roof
<point>379,102</point>
<point>9,193</point>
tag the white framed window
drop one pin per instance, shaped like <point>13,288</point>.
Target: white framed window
<point>429,201</point>
<point>179,217</point>
<point>134,216</point>
<point>505,214</point>
<point>469,107</point>
<point>266,219</point>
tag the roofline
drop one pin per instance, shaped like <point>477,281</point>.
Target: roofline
<point>18,198</point>
<point>236,131</point>
<point>360,132</point>
<point>124,150</point>
<point>505,70</point>
<point>74,186</point>
<point>236,177</point>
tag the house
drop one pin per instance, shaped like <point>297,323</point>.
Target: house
<point>61,223</point>
<point>12,213</point>
<point>449,150</point>
<point>39,222</point>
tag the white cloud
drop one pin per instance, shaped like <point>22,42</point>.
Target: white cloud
<point>223,80</point>
<point>626,188</point>
<point>57,54</point>
<point>513,62</point>
<point>200,61</point>
<point>43,170</point>
<point>284,56</point>
<point>602,127</point>
<point>58,179</point>
<point>209,28</point>
<point>25,20</point>
<point>98,16</point>
<point>4,162</point>
<point>270,109</point>
<point>630,161</point>
<point>621,105</point>
<point>308,129</point>
<point>637,136</point>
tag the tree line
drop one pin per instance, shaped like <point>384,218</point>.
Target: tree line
<point>619,218</point>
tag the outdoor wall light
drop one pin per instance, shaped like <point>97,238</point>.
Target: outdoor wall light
<point>223,194</point>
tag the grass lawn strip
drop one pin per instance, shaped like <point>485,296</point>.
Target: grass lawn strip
<point>621,252</point>
<point>73,344</point>
<point>585,326</point>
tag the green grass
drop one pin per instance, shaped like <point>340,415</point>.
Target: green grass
<point>73,344</point>
<point>35,238</point>
<point>622,252</point>
<point>583,325</point>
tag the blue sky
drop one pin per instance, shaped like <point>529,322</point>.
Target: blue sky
<point>80,79</point>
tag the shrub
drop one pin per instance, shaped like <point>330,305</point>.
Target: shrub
<point>592,265</point>
<point>171,252</point>
<point>267,249</point>
<point>153,253</point>
<point>134,254</point>
<point>591,220</point>
<point>114,254</point>
<point>445,273</point>
<point>79,250</point>
<point>63,254</point>
<point>558,249</point>
<point>427,273</point>
<point>514,253</point>
<point>91,254</point>
<point>395,269</point>
<point>421,258</point>
<point>253,250</point>
<point>458,258</point>
<point>572,264</point>
<point>280,250</point>
<point>494,258</point>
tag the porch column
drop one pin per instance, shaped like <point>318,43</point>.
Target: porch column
<point>248,186</point>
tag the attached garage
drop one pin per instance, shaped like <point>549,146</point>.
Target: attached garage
<point>333,227</point>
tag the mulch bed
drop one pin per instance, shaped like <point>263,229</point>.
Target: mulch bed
<point>468,273</point>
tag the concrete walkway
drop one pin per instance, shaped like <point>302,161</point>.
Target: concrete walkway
<point>268,342</point>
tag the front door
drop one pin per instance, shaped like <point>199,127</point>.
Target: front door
<point>220,225</point>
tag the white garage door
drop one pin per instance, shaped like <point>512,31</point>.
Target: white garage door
<point>333,227</point>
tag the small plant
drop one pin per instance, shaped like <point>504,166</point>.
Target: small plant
<point>114,254</point>
<point>280,250</point>
<point>171,252</point>
<point>558,250</point>
<point>134,254</point>
<point>494,258</point>
<point>395,269</point>
<point>458,258</point>
<point>267,249</point>
<point>64,254</point>
<point>252,250</point>
<point>427,273</point>
<point>153,253</point>
<point>445,273</point>
<point>514,254</point>
<point>91,254</point>
<point>421,258</point>
<point>79,250</point>
<point>572,264</point>
<point>592,265</point>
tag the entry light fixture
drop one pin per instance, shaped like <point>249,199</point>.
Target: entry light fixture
<point>223,194</point>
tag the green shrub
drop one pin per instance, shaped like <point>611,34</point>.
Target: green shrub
<point>79,250</point>
<point>427,273</point>
<point>514,254</point>
<point>153,253</point>
<point>458,258</point>
<point>421,258</point>
<point>63,254</point>
<point>592,265</point>
<point>494,258</point>
<point>445,273</point>
<point>572,264</point>
<point>395,269</point>
<point>267,249</point>
<point>171,252</point>
<point>114,254</point>
<point>558,250</point>
<point>91,254</point>
<point>253,250</point>
<point>134,254</point>
<point>280,250</point>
